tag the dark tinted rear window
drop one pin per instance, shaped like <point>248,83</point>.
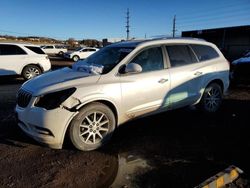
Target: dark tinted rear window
<point>204,52</point>
<point>35,49</point>
<point>48,47</point>
<point>8,49</point>
<point>180,55</point>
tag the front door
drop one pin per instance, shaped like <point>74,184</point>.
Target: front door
<point>146,92</point>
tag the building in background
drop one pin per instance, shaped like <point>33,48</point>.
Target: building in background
<point>232,41</point>
<point>108,41</point>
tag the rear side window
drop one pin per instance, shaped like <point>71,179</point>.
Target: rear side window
<point>35,49</point>
<point>8,49</point>
<point>204,52</point>
<point>48,47</point>
<point>180,55</point>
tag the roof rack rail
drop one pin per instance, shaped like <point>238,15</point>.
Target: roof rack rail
<point>189,38</point>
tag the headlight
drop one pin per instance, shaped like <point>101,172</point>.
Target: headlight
<point>53,100</point>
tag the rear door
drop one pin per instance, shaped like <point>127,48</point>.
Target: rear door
<point>12,59</point>
<point>185,75</point>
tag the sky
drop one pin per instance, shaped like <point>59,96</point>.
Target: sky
<point>98,19</point>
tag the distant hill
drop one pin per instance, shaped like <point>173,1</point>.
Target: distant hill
<point>32,39</point>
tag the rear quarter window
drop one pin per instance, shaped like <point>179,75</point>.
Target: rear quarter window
<point>204,52</point>
<point>37,50</point>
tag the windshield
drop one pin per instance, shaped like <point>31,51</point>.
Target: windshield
<point>107,57</point>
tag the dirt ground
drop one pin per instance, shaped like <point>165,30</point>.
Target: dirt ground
<point>181,148</point>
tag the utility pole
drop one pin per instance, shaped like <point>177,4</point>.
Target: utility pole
<point>127,26</point>
<point>174,30</point>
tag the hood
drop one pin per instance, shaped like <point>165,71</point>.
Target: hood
<point>241,60</point>
<point>59,80</point>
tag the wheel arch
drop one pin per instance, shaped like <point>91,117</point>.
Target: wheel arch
<point>106,102</point>
<point>35,64</point>
<point>79,107</point>
<point>217,81</point>
<point>77,56</point>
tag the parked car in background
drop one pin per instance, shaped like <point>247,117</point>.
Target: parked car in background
<point>26,60</point>
<point>240,69</point>
<point>80,53</point>
<point>118,83</point>
<point>54,49</point>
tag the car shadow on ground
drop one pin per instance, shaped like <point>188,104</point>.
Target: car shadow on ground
<point>186,146</point>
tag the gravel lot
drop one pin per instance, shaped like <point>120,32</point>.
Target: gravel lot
<point>180,148</point>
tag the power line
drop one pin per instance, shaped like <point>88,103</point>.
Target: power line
<point>244,12</point>
<point>28,34</point>
<point>216,20</point>
<point>205,11</point>
<point>13,32</point>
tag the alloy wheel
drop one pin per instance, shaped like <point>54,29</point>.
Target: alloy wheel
<point>94,128</point>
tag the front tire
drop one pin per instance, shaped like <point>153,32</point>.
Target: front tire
<point>61,53</point>
<point>211,99</point>
<point>31,71</point>
<point>92,127</point>
<point>76,58</point>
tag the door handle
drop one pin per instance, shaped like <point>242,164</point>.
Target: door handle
<point>198,73</point>
<point>163,80</point>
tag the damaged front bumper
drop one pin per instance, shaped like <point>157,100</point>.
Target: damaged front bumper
<point>45,126</point>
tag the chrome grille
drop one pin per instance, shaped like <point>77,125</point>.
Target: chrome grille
<point>23,98</point>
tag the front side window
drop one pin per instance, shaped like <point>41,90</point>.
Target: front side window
<point>204,52</point>
<point>180,55</point>
<point>150,59</point>
<point>8,49</point>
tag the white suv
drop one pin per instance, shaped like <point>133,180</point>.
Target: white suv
<point>22,59</point>
<point>80,53</point>
<point>119,83</point>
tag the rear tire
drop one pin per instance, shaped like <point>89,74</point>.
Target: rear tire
<point>211,99</point>
<point>31,71</point>
<point>92,127</point>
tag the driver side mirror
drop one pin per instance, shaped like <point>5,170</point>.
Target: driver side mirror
<point>133,68</point>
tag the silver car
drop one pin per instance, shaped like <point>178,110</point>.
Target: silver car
<point>118,83</point>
